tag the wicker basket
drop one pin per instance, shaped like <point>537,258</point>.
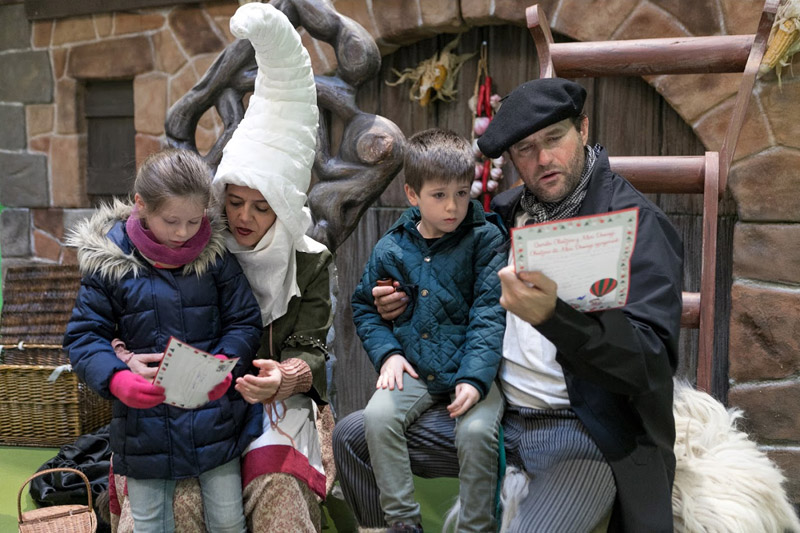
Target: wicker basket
<point>59,518</point>
<point>37,302</point>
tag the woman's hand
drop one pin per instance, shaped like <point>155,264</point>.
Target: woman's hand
<point>260,388</point>
<point>137,362</point>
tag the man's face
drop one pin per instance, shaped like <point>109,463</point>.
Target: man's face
<point>551,160</point>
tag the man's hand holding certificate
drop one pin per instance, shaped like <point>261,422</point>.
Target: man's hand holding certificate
<point>188,374</point>
<point>588,257</point>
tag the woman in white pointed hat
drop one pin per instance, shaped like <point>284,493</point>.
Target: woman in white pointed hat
<point>261,182</point>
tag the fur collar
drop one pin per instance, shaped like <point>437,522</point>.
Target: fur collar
<point>101,254</point>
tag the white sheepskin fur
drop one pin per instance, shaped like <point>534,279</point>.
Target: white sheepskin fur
<point>515,488</point>
<point>723,482</point>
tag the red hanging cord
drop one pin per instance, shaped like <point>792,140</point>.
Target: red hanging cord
<point>487,96</point>
<point>487,168</point>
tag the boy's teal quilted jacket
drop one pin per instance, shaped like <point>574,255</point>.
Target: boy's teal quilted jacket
<point>452,330</point>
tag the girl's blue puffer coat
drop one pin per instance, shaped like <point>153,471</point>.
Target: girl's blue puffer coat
<point>208,304</point>
<point>452,330</point>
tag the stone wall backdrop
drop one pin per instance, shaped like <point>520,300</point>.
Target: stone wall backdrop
<point>47,67</point>
<point>27,81</point>
<point>47,64</point>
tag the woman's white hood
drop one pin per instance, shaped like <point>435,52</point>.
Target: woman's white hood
<point>272,151</point>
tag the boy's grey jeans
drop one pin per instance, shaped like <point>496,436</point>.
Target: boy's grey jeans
<point>386,418</point>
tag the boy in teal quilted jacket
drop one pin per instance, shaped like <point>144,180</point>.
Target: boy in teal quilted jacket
<point>444,253</point>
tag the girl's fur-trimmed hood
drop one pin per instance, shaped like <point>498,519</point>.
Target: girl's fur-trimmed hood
<point>99,255</point>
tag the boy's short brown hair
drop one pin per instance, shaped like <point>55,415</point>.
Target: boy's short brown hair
<point>438,155</point>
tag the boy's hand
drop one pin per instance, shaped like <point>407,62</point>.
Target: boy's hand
<point>392,371</point>
<point>466,396</point>
<point>260,388</point>
<point>389,302</point>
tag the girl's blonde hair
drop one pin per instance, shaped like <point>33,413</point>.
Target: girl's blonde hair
<point>170,173</point>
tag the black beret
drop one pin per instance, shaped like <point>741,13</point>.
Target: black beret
<point>530,107</point>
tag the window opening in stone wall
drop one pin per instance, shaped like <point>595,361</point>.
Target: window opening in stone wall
<point>111,162</point>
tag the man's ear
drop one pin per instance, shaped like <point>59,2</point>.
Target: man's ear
<point>585,129</point>
<point>411,195</point>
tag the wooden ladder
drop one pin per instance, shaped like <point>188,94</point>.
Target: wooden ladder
<point>693,174</point>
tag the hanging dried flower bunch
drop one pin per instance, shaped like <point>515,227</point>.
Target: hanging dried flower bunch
<point>435,77</point>
<point>483,104</point>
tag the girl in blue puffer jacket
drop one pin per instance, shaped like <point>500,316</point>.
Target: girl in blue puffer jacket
<point>154,270</point>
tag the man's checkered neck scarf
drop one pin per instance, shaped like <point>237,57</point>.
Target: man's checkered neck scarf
<point>566,208</point>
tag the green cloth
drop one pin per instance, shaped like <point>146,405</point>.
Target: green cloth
<point>17,463</point>
<point>301,332</point>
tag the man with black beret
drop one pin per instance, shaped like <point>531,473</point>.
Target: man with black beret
<point>589,417</point>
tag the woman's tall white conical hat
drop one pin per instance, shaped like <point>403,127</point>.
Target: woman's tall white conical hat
<point>272,149</point>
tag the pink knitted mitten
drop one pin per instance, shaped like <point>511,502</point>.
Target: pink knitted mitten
<point>135,391</point>
<point>220,390</point>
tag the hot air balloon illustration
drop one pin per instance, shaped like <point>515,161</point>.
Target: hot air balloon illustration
<point>603,286</point>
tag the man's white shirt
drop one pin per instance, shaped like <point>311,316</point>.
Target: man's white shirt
<point>529,374</point>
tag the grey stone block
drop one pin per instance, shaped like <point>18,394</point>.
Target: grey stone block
<point>23,180</point>
<point>12,129</point>
<point>73,216</point>
<point>15,30</point>
<point>27,77</point>
<point>15,232</point>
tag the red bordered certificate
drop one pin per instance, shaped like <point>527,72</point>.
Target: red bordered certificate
<point>188,374</point>
<point>589,257</point>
